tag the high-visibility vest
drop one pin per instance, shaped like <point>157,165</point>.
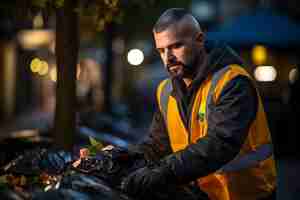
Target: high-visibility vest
<point>251,174</point>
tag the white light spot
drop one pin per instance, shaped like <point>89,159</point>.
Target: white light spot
<point>135,57</point>
<point>265,73</point>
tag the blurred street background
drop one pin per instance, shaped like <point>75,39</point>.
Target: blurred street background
<point>74,69</point>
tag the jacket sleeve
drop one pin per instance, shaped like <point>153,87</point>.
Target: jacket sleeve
<point>157,144</point>
<point>228,125</point>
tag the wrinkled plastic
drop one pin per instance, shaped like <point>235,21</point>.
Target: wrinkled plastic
<point>111,166</point>
<point>34,162</point>
<point>96,177</point>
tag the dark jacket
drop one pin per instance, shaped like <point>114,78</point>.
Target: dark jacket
<point>191,162</point>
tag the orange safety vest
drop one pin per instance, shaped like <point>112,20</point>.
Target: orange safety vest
<point>251,174</point>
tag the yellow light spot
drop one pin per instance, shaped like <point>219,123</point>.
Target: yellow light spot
<point>35,65</point>
<point>44,68</point>
<point>53,74</point>
<point>38,21</point>
<point>259,54</point>
<point>34,39</point>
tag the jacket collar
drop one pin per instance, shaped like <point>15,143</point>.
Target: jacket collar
<point>219,55</point>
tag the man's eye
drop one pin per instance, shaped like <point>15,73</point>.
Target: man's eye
<point>177,45</point>
<point>160,51</point>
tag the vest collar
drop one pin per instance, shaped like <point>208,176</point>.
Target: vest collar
<point>219,55</point>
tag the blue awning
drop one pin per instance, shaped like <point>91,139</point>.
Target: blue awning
<point>261,26</point>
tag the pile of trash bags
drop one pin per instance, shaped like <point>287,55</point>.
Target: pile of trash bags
<point>42,173</point>
<point>56,174</point>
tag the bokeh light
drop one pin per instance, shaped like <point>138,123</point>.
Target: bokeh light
<point>293,75</point>
<point>35,65</point>
<point>265,73</point>
<point>44,68</point>
<point>53,74</point>
<point>34,39</point>
<point>38,21</point>
<point>135,57</point>
<point>259,54</point>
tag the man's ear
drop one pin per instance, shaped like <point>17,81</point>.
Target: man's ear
<point>200,38</point>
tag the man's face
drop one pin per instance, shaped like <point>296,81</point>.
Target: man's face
<point>178,51</point>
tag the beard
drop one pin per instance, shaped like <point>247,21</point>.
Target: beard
<point>181,70</point>
<point>196,65</point>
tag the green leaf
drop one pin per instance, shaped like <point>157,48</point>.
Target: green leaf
<point>59,3</point>
<point>98,145</point>
<point>92,150</point>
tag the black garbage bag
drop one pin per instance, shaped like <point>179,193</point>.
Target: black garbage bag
<point>112,166</point>
<point>82,186</point>
<point>36,161</point>
<point>10,148</point>
<point>10,195</point>
<point>96,177</point>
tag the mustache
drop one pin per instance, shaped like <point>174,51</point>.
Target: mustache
<point>169,65</point>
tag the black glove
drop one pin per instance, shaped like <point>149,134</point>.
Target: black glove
<point>112,165</point>
<point>160,183</point>
<point>148,181</point>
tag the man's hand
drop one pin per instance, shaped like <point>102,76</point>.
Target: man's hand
<point>147,181</point>
<point>83,153</point>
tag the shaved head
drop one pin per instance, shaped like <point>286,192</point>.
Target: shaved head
<point>178,18</point>
<point>180,43</point>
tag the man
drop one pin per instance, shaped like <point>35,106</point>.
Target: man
<point>211,128</point>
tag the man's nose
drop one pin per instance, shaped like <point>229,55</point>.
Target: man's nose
<point>169,56</point>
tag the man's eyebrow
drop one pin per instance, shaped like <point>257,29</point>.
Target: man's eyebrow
<point>170,45</point>
<point>176,43</point>
<point>159,49</point>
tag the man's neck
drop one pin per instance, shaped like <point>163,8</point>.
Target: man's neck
<point>187,81</point>
<point>201,64</point>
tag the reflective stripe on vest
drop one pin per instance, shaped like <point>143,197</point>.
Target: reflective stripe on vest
<point>250,159</point>
<point>164,98</point>
<point>247,160</point>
